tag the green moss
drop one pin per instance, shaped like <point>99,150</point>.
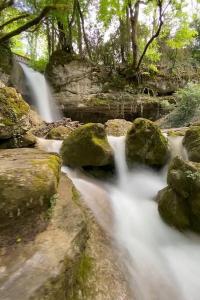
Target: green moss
<point>59,133</point>
<point>87,146</point>
<point>145,144</point>
<point>173,209</point>
<point>75,195</point>
<point>84,269</point>
<point>13,107</point>
<point>175,133</point>
<point>54,163</point>
<point>191,142</point>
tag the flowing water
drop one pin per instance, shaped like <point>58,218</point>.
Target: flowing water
<point>159,262</point>
<point>41,95</point>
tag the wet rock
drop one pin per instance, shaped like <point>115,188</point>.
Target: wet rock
<point>45,128</point>
<point>28,181</point>
<point>35,120</point>
<point>117,127</point>
<point>59,133</point>
<point>145,144</point>
<point>71,259</point>
<point>191,142</point>
<point>24,141</point>
<point>179,203</point>
<point>173,209</point>
<point>13,113</point>
<point>87,146</point>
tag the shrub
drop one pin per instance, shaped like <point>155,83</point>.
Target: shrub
<point>188,106</point>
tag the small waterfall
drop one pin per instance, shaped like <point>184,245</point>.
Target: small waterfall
<point>41,94</point>
<point>159,262</point>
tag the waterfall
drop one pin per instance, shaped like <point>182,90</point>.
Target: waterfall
<point>160,263</point>
<point>41,95</point>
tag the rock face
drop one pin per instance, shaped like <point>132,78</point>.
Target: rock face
<point>71,259</point>
<point>191,142</point>
<point>179,203</point>
<point>94,94</point>
<point>28,181</point>
<point>117,127</point>
<point>145,144</point>
<point>87,146</point>
<point>13,113</point>
<point>59,133</point>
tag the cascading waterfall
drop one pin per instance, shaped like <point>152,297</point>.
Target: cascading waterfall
<point>41,94</point>
<point>160,262</point>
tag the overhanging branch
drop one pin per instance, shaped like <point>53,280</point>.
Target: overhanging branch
<point>31,23</point>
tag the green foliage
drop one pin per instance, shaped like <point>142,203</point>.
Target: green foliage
<point>183,36</point>
<point>188,104</point>
<point>39,65</point>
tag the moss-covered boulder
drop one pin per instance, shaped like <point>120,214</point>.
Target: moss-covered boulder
<point>191,142</point>
<point>145,144</point>
<point>28,182</point>
<point>173,209</point>
<point>180,176</point>
<point>87,146</point>
<point>117,127</point>
<point>179,203</point>
<point>59,133</point>
<point>13,113</point>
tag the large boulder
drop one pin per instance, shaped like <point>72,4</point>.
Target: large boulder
<point>145,144</point>
<point>117,127</point>
<point>87,146</point>
<point>179,203</point>
<point>59,133</point>
<point>28,181</point>
<point>191,142</point>
<point>14,112</point>
<point>173,209</point>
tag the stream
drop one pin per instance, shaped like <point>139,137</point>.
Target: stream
<point>160,263</point>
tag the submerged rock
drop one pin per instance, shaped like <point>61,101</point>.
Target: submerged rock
<point>117,127</point>
<point>179,203</point>
<point>28,182</point>
<point>14,112</point>
<point>87,146</point>
<point>145,144</point>
<point>191,142</point>
<point>59,133</point>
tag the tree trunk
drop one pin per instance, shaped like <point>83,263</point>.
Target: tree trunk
<point>62,38</point>
<point>79,39</point>
<point>122,40</point>
<point>134,14</point>
<point>48,38</point>
<point>83,29</point>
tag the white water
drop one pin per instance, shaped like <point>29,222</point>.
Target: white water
<point>159,262</point>
<point>41,94</point>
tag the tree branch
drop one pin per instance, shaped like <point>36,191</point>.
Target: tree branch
<point>31,23</point>
<point>155,35</point>
<point>13,20</point>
